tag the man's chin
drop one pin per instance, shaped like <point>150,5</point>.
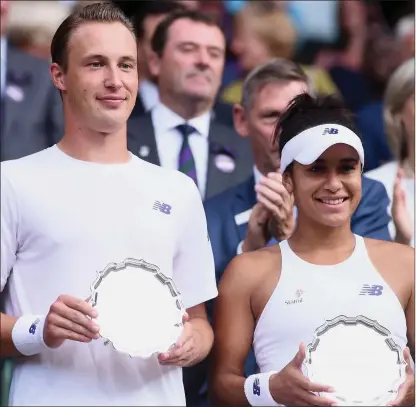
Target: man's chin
<point>109,125</point>
<point>199,95</point>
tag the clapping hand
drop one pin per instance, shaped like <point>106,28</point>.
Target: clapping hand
<point>279,202</point>
<point>272,216</point>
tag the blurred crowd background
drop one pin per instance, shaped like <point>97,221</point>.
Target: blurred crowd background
<point>346,47</point>
<point>350,48</point>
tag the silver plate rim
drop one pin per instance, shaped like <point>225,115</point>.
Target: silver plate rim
<point>142,264</point>
<point>370,323</point>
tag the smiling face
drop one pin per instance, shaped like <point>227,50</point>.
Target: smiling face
<point>192,61</point>
<point>99,86</point>
<point>329,190</point>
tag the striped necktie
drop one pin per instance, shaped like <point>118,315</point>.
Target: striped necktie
<point>186,162</point>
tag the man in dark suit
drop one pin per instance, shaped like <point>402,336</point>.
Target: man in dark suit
<point>146,17</point>
<point>31,116</point>
<point>188,50</point>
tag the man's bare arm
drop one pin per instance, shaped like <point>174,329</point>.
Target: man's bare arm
<point>7,348</point>
<point>204,335</point>
<point>233,329</point>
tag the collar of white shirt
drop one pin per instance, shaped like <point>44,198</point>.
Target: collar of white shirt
<point>257,175</point>
<point>149,94</point>
<point>3,67</point>
<point>165,119</point>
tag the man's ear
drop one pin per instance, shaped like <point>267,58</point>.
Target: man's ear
<point>58,76</point>
<point>240,120</point>
<point>288,181</point>
<point>154,64</point>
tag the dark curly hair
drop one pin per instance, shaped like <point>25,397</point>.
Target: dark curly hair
<point>306,111</point>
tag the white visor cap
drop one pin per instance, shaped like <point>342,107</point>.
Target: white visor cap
<point>310,144</point>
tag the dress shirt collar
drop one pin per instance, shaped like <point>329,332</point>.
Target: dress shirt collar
<point>3,62</point>
<point>257,175</point>
<point>165,119</point>
<point>149,94</point>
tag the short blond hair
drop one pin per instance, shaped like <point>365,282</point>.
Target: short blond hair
<point>272,25</point>
<point>399,88</point>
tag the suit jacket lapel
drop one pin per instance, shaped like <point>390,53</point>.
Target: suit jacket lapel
<point>243,203</point>
<point>19,83</point>
<point>217,180</point>
<point>141,138</point>
<point>138,109</point>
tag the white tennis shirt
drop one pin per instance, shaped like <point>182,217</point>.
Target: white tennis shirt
<point>62,220</point>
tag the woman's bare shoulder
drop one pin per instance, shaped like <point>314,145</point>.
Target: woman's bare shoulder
<point>248,269</point>
<point>395,256</point>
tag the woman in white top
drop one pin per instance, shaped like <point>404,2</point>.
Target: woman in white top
<point>399,176</point>
<point>273,299</point>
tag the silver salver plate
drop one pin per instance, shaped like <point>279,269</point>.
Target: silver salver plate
<point>140,310</point>
<point>358,358</point>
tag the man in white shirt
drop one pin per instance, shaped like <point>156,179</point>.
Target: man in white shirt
<point>188,60</point>
<point>74,208</point>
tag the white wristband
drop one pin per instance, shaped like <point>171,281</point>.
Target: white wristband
<point>27,334</point>
<point>256,389</point>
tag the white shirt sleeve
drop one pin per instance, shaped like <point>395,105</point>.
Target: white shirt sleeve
<point>193,267</point>
<point>9,227</point>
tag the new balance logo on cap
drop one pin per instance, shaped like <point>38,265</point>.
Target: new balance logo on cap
<point>256,387</point>
<point>162,207</point>
<point>371,289</point>
<point>330,131</point>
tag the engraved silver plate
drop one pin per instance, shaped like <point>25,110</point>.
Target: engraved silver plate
<point>139,309</point>
<point>358,358</point>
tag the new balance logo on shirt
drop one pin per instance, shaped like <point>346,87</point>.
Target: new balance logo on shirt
<point>162,207</point>
<point>374,289</point>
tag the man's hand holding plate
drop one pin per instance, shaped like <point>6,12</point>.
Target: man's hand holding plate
<point>184,352</point>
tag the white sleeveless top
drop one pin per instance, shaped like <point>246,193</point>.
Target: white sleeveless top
<point>307,295</point>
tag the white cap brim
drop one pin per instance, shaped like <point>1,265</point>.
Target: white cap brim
<point>306,147</point>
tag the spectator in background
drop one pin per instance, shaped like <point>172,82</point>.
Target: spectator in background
<point>398,176</point>
<point>146,19</point>
<point>405,35</point>
<point>31,109</point>
<point>145,23</point>
<point>264,31</point>
<point>359,71</point>
<point>31,25</point>
<point>180,133</point>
